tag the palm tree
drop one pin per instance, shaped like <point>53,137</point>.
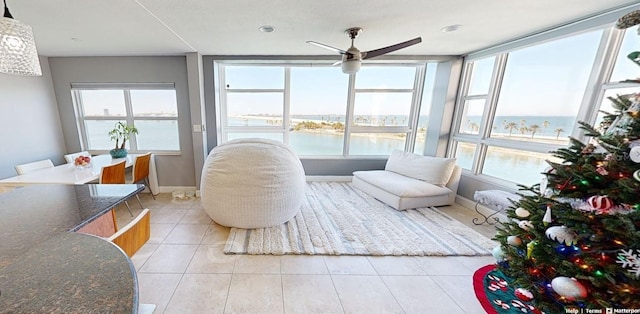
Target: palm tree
<point>511,126</point>
<point>558,131</point>
<point>523,130</point>
<point>545,124</point>
<point>534,128</point>
<point>475,127</point>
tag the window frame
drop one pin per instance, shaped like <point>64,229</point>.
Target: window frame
<point>349,128</point>
<point>129,117</point>
<point>597,84</point>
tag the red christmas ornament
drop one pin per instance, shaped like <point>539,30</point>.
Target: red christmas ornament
<point>600,203</point>
<point>523,294</point>
<point>602,171</point>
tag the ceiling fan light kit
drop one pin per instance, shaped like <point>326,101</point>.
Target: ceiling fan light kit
<point>350,67</point>
<point>18,54</point>
<point>352,57</point>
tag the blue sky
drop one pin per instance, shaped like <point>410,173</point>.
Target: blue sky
<point>321,90</point>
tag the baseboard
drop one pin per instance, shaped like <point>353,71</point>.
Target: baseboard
<point>329,178</point>
<point>169,189</point>
<point>484,210</point>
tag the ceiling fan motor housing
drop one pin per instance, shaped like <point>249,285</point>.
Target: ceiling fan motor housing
<point>352,54</point>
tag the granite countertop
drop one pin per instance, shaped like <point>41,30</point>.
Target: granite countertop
<point>33,214</point>
<point>47,268</point>
<point>69,273</point>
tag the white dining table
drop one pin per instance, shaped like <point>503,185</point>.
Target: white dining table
<point>67,173</point>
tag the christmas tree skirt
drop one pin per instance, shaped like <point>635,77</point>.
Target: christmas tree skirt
<point>496,295</point>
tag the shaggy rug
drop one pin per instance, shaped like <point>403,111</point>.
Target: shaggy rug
<point>338,219</point>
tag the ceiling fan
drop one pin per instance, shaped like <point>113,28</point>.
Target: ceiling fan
<point>352,57</point>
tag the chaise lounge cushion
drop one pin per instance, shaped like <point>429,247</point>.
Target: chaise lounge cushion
<point>400,185</point>
<point>434,170</point>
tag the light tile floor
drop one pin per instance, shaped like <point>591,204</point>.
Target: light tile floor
<point>182,269</point>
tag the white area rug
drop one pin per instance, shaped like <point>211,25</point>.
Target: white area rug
<point>338,219</point>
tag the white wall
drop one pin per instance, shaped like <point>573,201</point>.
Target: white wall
<point>29,120</point>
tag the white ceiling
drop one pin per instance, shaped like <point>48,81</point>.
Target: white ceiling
<point>214,27</point>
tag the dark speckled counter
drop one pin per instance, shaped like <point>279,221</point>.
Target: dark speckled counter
<point>45,268</point>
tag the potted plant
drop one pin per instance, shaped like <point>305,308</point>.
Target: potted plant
<point>121,132</point>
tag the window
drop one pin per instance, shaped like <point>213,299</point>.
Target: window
<point>524,167</point>
<point>319,111</point>
<point>464,154</point>
<point>624,68</point>
<point>317,114</point>
<point>542,89</point>
<point>151,108</point>
<point>480,73</point>
<point>425,108</point>
<point>510,120</point>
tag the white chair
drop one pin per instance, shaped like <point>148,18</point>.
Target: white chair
<point>33,166</point>
<point>70,158</point>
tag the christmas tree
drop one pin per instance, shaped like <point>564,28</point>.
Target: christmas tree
<point>573,241</point>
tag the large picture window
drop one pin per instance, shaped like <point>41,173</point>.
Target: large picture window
<point>320,111</point>
<point>542,89</point>
<point>152,109</point>
<point>517,106</point>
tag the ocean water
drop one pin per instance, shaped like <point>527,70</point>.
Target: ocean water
<point>547,125</point>
<point>520,167</point>
<point>152,134</point>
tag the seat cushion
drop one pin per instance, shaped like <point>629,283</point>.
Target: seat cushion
<point>400,185</point>
<point>434,170</point>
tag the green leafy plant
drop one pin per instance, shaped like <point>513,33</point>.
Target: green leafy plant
<point>122,131</point>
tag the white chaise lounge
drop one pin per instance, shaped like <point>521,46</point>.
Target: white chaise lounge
<point>411,181</point>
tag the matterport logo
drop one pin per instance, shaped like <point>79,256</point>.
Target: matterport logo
<point>615,311</point>
<point>574,310</point>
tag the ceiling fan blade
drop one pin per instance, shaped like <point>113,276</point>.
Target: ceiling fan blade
<point>340,51</point>
<point>336,63</point>
<point>385,50</point>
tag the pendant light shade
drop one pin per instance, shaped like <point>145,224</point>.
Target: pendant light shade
<point>18,54</point>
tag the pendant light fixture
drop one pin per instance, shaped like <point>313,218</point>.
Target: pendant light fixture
<point>18,54</point>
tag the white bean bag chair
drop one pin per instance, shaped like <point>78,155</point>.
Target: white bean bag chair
<point>252,183</point>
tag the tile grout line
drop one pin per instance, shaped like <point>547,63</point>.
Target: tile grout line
<point>452,297</point>
<point>392,295</point>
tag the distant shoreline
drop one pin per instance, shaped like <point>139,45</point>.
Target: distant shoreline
<point>539,137</point>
